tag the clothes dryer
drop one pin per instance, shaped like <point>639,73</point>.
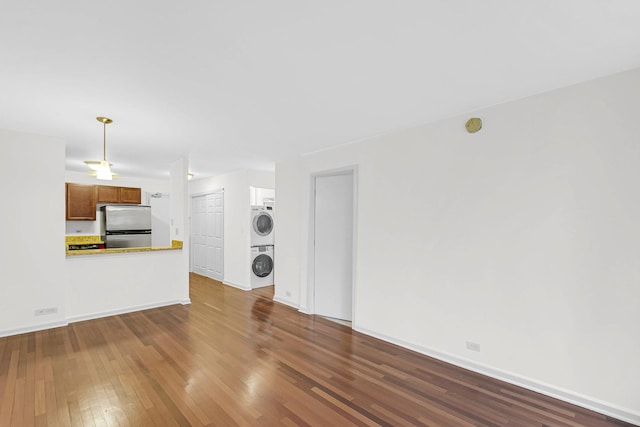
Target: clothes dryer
<point>262,225</point>
<point>261,266</point>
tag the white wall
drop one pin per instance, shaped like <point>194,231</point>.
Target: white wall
<point>149,185</point>
<point>291,181</point>
<point>179,224</point>
<point>523,238</point>
<point>237,213</point>
<point>32,274</point>
<point>262,179</point>
<point>103,285</point>
<point>160,218</point>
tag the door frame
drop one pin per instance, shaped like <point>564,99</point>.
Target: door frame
<point>193,196</point>
<point>311,283</point>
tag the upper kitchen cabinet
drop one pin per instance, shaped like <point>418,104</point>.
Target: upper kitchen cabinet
<point>81,202</point>
<point>130,195</point>
<point>107,194</point>
<point>82,199</point>
<point>112,194</point>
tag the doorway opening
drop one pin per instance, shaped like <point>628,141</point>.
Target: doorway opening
<point>333,231</point>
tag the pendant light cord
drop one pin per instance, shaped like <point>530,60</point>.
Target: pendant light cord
<point>104,149</point>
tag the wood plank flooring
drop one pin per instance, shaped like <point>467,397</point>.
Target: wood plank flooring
<point>237,358</point>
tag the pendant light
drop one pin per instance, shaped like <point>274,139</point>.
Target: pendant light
<point>102,169</point>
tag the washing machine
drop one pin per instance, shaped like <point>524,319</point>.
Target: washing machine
<point>261,266</point>
<point>262,224</point>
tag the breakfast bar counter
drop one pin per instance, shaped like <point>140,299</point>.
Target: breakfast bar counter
<point>71,240</point>
<point>175,245</point>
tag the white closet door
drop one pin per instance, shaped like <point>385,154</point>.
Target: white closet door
<point>207,216</point>
<point>215,236</point>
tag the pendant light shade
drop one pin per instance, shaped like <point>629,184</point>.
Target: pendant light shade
<point>102,169</point>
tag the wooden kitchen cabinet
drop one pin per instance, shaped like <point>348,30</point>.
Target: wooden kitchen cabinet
<point>112,194</point>
<point>82,199</point>
<point>130,195</point>
<point>107,194</point>
<point>81,202</point>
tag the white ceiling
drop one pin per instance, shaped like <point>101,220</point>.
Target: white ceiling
<point>233,84</point>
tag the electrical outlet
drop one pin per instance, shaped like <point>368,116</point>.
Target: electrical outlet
<point>44,311</point>
<point>473,346</point>
<point>288,293</point>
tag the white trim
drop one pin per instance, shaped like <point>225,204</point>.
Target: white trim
<point>73,319</point>
<point>605,408</point>
<point>310,305</point>
<point>204,193</point>
<point>285,302</point>
<point>261,286</point>
<point>305,310</point>
<point>235,285</point>
<point>34,328</point>
<point>130,309</point>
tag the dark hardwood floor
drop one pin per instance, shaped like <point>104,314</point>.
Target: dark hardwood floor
<point>238,358</point>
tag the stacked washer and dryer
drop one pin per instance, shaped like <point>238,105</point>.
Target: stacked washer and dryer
<point>262,230</point>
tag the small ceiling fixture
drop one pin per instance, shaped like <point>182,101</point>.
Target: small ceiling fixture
<point>473,125</point>
<point>102,169</point>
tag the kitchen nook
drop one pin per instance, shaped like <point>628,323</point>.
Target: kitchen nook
<point>122,223</point>
<point>112,266</point>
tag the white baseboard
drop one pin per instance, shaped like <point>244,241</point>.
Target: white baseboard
<point>623,414</point>
<point>129,309</point>
<point>261,286</point>
<point>97,315</point>
<point>34,328</point>
<point>285,302</point>
<point>235,285</point>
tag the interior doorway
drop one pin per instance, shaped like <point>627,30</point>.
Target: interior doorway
<point>207,235</point>
<point>333,244</point>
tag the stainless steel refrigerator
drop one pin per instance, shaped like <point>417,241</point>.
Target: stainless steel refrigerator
<point>126,226</point>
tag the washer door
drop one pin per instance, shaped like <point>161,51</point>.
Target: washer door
<point>262,224</point>
<point>262,265</point>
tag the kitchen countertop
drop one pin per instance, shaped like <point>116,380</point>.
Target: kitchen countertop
<point>175,245</point>
<point>79,240</point>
